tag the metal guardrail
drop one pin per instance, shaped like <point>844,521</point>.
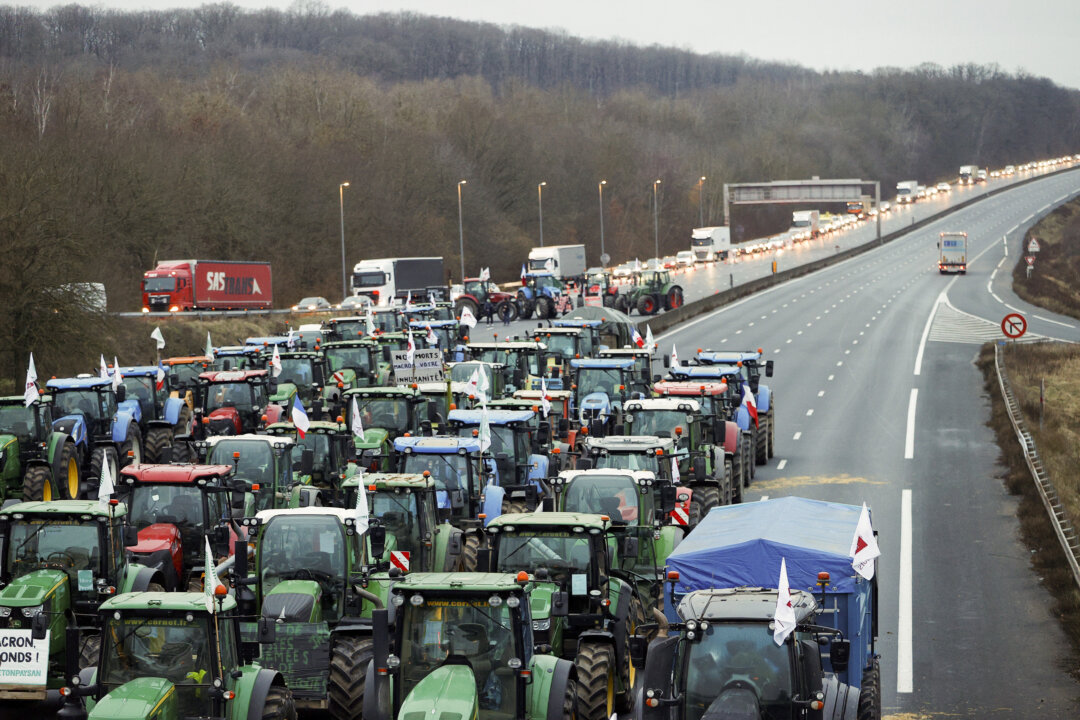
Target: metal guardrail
<point>1063,527</point>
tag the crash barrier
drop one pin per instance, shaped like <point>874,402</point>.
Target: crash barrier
<point>1063,528</point>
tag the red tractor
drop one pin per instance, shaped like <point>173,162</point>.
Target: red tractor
<point>477,292</point>
<point>234,402</point>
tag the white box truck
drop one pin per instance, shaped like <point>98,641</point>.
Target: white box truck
<point>968,173</point>
<point>805,223</point>
<point>710,244</point>
<point>952,249</point>
<point>387,280</point>
<point>563,261</point>
<point>905,191</point>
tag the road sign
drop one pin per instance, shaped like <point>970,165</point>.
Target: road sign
<point>1013,325</point>
<point>426,367</point>
<point>1033,245</point>
<point>1029,259</point>
<point>605,259</point>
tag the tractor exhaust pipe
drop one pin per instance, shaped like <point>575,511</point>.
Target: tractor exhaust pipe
<point>661,622</point>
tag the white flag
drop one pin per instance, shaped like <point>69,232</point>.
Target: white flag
<point>30,393</point>
<point>290,339</point>
<point>117,377</point>
<point>483,385</point>
<point>485,274</point>
<point>784,615</point>
<point>864,547</point>
<point>431,337</point>
<point>103,372</point>
<point>369,322</point>
<point>209,346</point>
<point>275,362</point>
<point>408,302</point>
<point>674,357</point>
<point>675,476</point>
<point>650,343</point>
<point>467,317</point>
<point>210,579</point>
<point>410,349</point>
<point>356,424</point>
<point>545,401</point>
<point>485,429</point>
<point>362,512</point>
<point>159,338</point>
<point>105,484</point>
<point>473,383</point>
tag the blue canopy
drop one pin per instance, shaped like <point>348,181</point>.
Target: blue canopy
<point>741,545</point>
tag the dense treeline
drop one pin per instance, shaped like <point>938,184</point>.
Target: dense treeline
<point>216,133</point>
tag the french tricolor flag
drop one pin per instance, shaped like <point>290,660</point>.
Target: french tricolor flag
<point>637,339</point>
<point>160,379</point>
<point>299,417</point>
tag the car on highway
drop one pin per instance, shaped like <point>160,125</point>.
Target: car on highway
<point>312,303</point>
<point>623,271</point>
<point>685,258</point>
<point>944,187</point>
<point>355,302</point>
<point>886,206</point>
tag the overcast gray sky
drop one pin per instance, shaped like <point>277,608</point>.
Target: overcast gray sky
<point>1037,36</point>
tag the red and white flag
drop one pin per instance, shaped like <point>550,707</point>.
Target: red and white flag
<point>431,337</point>
<point>750,402</point>
<point>674,357</point>
<point>159,380</point>
<point>636,338</point>
<point>299,417</point>
<point>118,377</point>
<point>545,399</point>
<point>676,477</point>
<point>485,274</point>
<point>361,513</point>
<point>410,350</point>
<point>864,547</point>
<point>467,318</point>
<point>275,363</point>
<point>30,393</point>
<point>784,615</point>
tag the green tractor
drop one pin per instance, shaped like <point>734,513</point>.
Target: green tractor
<point>167,656</point>
<point>464,646</point>
<point>333,459</point>
<point>273,469</point>
<point>311,575</point>
<point>406,507</point>
<point>61,560</point>
<point>442,397</point>
<point>396,410</point>
<point>653,291</point>
<point>36,461</point>
<point>523,362</point>
<point>350,364</point>
<point>302,375</point>
<point>591,612</point>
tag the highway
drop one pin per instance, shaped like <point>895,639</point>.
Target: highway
<point>878,400</point>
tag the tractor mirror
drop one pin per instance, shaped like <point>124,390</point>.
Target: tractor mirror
<point>839,654</point>
<point>543,434</point>
<point>307,461</point>
<point>457,499</point>
<point>39,626</point>
<point>221,535</point>
<point>629,548</point>
<point>240,563</point>
<point>560,604</point>
<point>657,378</point>
<point>271,386</point>
<point>377,540</point>
<point>619,429</point>
<point>667,361</point>
<point>350,451</point>
<point>483,560</point>
<point>638,647</point>
<point>121,392</point>
<point>699,468</point>
<point>386,353</point>
<point>267,631</point>
<point>583,464</point>
<point>667,499</point>
<point>768,368</point>
<point>564,426</point>
<point>317,376</point>
<point>432,413</point>
<point>131,536</point>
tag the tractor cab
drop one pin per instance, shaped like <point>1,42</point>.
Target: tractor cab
<point>38,461</point>
<point>333,456</point>
<point>749,363</point>
<point>642,358</point>
<point>565,343</point>
<point>642,452</point>
<point>103,423</point>
<point>523,362</point>
<point>302,374</point>
<point>490,376</point>
<point>444,335</point>
<point>601,388</point>
<point>521,473</point>
<point>265,464</point>
<point>175,508</point>
<point>234,402</point>
<point>238,357</point>
<point>397,410</point>
<point>678,418</point>
<point>599,289</point>
<point>540,293</point>
<point>442,397</point>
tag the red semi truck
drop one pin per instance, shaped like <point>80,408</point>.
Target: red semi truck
<point>179,285</point>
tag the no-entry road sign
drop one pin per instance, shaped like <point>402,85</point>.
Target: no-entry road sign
<point>1013,325</point>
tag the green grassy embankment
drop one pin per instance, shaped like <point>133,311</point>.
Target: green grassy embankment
<point>1053,282</point>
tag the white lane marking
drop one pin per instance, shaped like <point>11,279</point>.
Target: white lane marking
<point>799,332</point>
<point>763,498</point>
<point>797,436</point>
<point>776,351</point>
<point>751,324</point>
<point>904,675</point>
<point>909,438</point>
<point>788,341</point>
<point>1046,319</point>
<point>839,363</point>
<point>831,377</point>
<point>926,331</point>
<point>738,332</point>
<point>782,464</point>
<point>847,352</point>
<point>821,393</point>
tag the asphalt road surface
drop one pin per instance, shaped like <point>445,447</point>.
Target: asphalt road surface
<point>878,400</point>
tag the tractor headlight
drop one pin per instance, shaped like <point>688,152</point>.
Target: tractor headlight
<point>398,600</point>
<point>416,600</point>
<point>5,612</point>
<point>393,661</point>
<point>32,611</point>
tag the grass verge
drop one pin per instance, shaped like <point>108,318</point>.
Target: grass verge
<point>1052,284</point>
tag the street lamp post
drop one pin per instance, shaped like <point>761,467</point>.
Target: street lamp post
<point>341,200</point>
<point>601,187</point>
<point>461,231</point>
<point>656,217</point>
<point>540,200</point>
<point>701,202</point>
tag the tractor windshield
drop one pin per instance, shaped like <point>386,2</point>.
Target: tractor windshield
<point>357,359</point>
<point>564,345</point>
<point>306,547</point>
<point>300,372</point>
<point>613,495</point>
<point>88,403</point>
<point>476,289</point>
<point>66,545</point>
<point>465,630</point>
<point>659,422</point>
<point>400,517</point>
<point>559,552</point>
<point>628,461</point>
<point>450,473</point>
<point>592,380</point>
<point>254,460</point>
<point>171,647</point>
<point>174,504</point>
<point>239,395</point>
<point>319,445</point>
<point>738,652</point>
<point>388,413</point>
<point>143,389</point>
<point>463,371</point>
<point>20,421</point>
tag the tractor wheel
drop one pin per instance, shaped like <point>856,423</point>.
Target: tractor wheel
<point>622,304</point>
<point>279,704</point>
<point>36,484</point>
<point>470,548</point>
<point>646,305</point>
<point>624,701</point>
<point>870,694</point>
<point>183,424</point>
<point>695,512</point>
<point>507,306</point>
<point>132,444</point>
<point>674,299</point>
<point>349,659</point>
<point>463,303</point>
<point>525,307</point>
<point>580,301</point>
<point>545,309</point>
<point>609,300</point>
<point>70,472</point>
<point>157,439</point>
<point>710,498</point>
<point>98,458</point>
<point>761,447</point>
<point>734,483</point>
<point>514,506</point>
<point>595,664</point>
<point>89,651</point>
<point>569,706</point>
<point>772,432</point>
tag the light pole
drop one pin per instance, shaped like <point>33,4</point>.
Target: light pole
<point>701,202</point>
<point>341,200</point>
<point>656,217</point>
<point>602,253</point>
<point>461,231</point>
<point>540,200</point>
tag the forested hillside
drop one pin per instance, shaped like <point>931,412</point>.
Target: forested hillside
<point>218,133</point>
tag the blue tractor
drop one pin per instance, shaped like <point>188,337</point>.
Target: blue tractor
<point>103,423</point>
<point>520,473</point>
<point>600,388</point>
<point>750,366</point>
<point>540,292</point>
<point>161,417</point>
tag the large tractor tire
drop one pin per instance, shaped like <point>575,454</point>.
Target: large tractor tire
<point>349,658</point>
<point>646,305</point>
<point>279,704</point>
<point>622,304</point>
<point>734,483</point>
<point>514,506</point>
<point>470,549</point>
<point>98,458</point>
<point>674,299</point>
<point>89,651</point>
<point>133,444</point>
<point>569,703</point>
<point>695,512</point>
<point>158,439</point>
<point>545,308</point>
<point>624,700</point>
<point>609,300</point>
<point>595,664</point>
<point>772,432</point>
<point>710,498</point>
<point>463,303</point>
<point>525,306</point>
<point>870,694</point>
<point>505,307</point>
<point>36,484</point>
<point>761,447</point>
<point>70,479</point>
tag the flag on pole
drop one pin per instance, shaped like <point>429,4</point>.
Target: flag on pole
<point>522,273</point>
<point>485,274</point>
<point>105,484</point>
<point>159,338</point>
<point>674,358</point>
<point>117,377</point>
<point>676,477</point>
<point>356,423</point>
<point>750,402</point>
<point>410,349</point>
<point>784,615</point>
<point>275,362</point>
<point>485,429</point>
<point>362,512</point>
<point>290,339</point>
<point>649,341</point>
<point>408,302</point>
<point>636,338</point>
<point>209,346</point>
<point>103,372</point>
<point>467,317</point>
<point>864,547</point>
<point>545,400</point>
<point>299,417</point>
<point>159,380</point>
<point>482,385</point>
<point>369,322</point>
<point>30,392</point>
<point>210,579</point>
<point>431,337</point>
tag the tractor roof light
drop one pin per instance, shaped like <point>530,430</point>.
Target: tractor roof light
<point>522,578</point>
